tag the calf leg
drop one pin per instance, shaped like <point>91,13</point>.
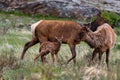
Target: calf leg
<point>37,56</point>
<point>107,58</point>
<point>52,55</point>
<point>57,58</point>
<point>28,45</point>
<point>72,48</point>
<point>100,58</point>
<point>93,55</point>
<point>42,58</point>
<point>56,54</point>
<point>42,53</point>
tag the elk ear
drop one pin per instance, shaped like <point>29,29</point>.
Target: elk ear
<point>86,29</point>
<point>56,37</point>
<point>61,37</point>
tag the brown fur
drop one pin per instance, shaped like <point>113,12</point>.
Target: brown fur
<point>49,47</point>
<point>48,29</point>
<point>102,40</point>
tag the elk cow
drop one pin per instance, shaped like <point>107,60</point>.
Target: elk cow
<point>102,40</point>
<point>49,47</point>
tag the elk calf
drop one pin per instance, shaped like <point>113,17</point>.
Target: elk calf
<point>102,40</point>
<point>49,47</point>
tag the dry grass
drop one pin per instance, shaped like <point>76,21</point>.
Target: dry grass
<point>90,73</point>
<point>7,59</point>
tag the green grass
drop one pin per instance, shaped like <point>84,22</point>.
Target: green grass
<point>35,17</point>
<point>11,45</point>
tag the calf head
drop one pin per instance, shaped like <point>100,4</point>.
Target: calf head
<point>84,32</point>
<point>59,39</point>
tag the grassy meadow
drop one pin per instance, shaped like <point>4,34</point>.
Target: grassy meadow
<point>15,32</point>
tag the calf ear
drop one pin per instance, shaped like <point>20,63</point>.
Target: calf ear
<point>56,37</point>
<point>86,29</point>
<point>61,37</point>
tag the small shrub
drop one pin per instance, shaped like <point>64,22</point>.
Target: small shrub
<point>111,17</point>
<point>7,59</point>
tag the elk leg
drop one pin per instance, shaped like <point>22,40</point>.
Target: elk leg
<point>28,45</point>
<point>57,58</point>
<point>52,55</point>
<point>100,58</point>
<point>43,39</point>
<point>93,55</point>
<point>42,53</point>
<point>42,58</point>
<point>72,48</point>
<point>107,58</point>
<point>37,56</point>
<point>56,54</point>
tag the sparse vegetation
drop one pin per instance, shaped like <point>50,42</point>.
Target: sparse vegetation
<point>11,45</point>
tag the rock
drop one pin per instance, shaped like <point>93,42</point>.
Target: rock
<point>77,9</point>
<point>59,8</point>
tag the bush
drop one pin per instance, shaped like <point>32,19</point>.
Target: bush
<point>111,17</point>
<point>7,59</point>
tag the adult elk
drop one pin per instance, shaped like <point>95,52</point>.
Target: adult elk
<point>102,40</point>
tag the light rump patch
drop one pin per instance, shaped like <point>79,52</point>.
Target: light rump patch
<point>33,27</point>
<point>111,34</point>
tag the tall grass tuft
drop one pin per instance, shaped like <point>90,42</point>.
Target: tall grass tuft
<point>7,59</point>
